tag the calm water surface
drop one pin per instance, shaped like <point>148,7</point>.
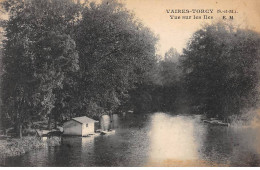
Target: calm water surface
<point>157,139</point>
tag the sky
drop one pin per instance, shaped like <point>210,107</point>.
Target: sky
<point>176,32</point>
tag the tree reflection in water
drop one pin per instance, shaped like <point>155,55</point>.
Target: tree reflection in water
<point>156,139</point>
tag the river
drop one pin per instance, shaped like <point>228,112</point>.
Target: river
<point>157,139</point>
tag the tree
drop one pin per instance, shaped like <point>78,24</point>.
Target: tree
<point>38,55</point>
<point>170,77</point>
<point>169,71</point>
<point>221,69</point>
<point>115,53</point>
<point>165,82</point>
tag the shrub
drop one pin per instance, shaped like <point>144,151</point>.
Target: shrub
<point>15,146</point>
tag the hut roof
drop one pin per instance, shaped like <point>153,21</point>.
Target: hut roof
<point>84,119</point>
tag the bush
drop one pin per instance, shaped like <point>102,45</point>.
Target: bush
<point>14,147</point>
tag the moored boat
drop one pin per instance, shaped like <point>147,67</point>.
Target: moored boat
<point>216,122</point>
<point>107,132</point>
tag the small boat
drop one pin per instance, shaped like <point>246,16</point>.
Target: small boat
<point>92,134</point>
<point>98,131</point>
<point>216,122</point>
<point>48,133</point>
<point>107,132</point>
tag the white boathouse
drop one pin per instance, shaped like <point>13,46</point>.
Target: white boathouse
<point>80,126</point>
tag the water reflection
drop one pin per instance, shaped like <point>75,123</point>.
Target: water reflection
<point>186,141</point>
<point>173,139</point>
<point>231,146</point>
<point>157,139</point>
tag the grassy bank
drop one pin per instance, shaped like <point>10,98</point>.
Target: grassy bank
<point>15,146</point>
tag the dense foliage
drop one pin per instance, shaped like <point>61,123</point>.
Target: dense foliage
<point>162,89</point>
<point>115,53</point>
<point>63,59</point>
<point>221,70</point>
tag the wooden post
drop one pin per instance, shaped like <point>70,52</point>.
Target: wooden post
<point>20,130</point>
<point>49,123</point>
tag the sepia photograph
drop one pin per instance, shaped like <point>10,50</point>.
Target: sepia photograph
<point>129,83</point>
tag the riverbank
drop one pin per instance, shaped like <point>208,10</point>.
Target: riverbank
<point>162,140</point>
<point>16,146</point>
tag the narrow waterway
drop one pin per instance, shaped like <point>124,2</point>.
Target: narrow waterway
<point>157,139</point>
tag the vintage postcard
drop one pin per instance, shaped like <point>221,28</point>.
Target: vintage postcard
<point>130,83</point>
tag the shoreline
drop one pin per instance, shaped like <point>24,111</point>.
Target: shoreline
<point>15,146</point>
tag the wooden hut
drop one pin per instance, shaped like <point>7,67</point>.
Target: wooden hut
<point>81,126</point>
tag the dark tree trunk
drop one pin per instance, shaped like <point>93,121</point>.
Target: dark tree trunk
<point>20,130</point>
<point>49,122</point>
